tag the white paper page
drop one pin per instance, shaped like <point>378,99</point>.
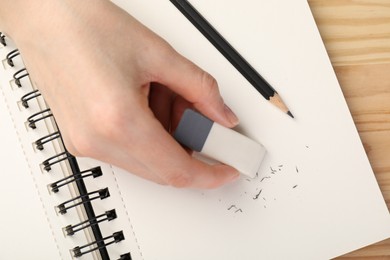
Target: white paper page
<point>31,226</point>
<point>316,196</point>
<point>25,233</point>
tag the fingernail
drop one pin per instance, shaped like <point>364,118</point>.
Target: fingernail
<point>233,119</point>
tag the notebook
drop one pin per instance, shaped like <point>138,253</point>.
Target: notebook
<point>315,196</point>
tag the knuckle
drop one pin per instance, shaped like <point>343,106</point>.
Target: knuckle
<point>209,86</point>
<point>163,52</point>
<point>166,50</point>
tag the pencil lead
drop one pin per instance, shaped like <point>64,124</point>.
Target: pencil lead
<point>289,113</point>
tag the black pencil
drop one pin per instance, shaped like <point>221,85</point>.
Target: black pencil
<point>219,42</point>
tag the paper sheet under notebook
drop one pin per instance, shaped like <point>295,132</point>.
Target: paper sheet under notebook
<point>316,196</point>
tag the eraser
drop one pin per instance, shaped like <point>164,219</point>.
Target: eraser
<point>220,143</point>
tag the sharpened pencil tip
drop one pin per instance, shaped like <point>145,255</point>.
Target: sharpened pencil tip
<point>289,113</point>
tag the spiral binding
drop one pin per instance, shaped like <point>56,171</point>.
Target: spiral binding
<point>125,257</point>
<point>12,55</point>
<point>19,75</point>
<point>31,95</point>
<point>70,230</point>
<point>48,163</point>
<point>116,237</point>
<point>2,39</point>
<point>85,198</point>
<point>94,172</point>
<point>99,194</point>
<point>39,144</point>
<point>33,119</point>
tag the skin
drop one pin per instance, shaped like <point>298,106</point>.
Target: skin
<point>117,89</point>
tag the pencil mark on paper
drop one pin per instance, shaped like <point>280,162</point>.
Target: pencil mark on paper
<point>232,207</point>
<point>260,189</point>
<point>257,195</point>
<point>266,177</point>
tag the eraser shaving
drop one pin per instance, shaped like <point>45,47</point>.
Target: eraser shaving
<point>220,143</point>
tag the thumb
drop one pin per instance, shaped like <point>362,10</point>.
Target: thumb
<point>196,86</point>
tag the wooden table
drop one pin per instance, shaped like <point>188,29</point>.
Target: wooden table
<point>356,34</point>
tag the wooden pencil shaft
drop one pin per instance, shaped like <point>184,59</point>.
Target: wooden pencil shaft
<point>219,42</point>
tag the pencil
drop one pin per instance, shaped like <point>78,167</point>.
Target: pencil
<point>223,46</point>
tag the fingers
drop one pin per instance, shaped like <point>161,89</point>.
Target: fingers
<point>165,158</point>
<point>198,89</point>
<point>123,160</point>
<point>195,85</point>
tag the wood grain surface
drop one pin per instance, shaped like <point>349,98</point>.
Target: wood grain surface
<point>356,34</point>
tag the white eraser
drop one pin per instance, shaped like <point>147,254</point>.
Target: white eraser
<point>220,143</point>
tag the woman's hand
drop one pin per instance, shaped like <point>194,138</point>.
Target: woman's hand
<point>117,89</point>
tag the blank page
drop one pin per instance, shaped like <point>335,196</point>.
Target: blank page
<point>316,196</point>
